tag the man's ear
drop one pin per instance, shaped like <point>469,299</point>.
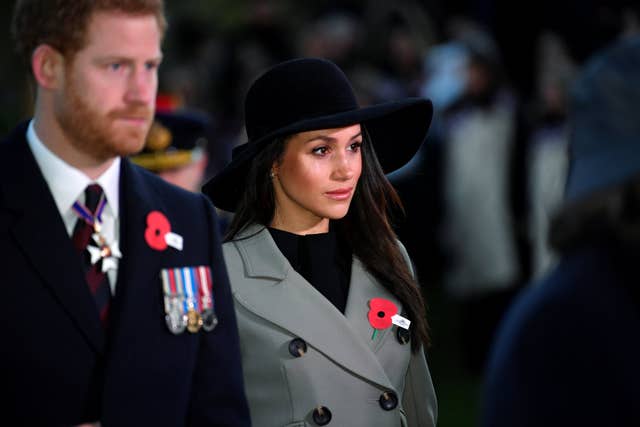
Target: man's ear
<point>47,65</point>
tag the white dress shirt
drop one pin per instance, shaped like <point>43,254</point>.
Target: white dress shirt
<point>67,185</point>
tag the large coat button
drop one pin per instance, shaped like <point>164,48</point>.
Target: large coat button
<point>403,335</point>
<point>297,347</point>
<point>321,415</point>
<point>388,400</point>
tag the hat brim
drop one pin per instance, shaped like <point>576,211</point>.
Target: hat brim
<point>397,130</point>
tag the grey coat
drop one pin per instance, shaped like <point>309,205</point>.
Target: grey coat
<point>342,370</point>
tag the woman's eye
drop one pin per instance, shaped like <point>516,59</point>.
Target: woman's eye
<point>355,146</point>
<point>320,150</point>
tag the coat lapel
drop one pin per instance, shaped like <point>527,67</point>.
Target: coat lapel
<point>140,265</point>
<point>40,232</point>
<point>286,299</point>
<point>362,289</point>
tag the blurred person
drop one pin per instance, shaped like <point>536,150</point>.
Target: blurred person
<point>547,152</point>
<point>321,284</point>
<point>176,148</point>
<point>335,36</point>
<point>113,280</point>
<point>567,352</point>
<point>478,135</point>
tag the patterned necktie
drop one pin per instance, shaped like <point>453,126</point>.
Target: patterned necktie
<point>97,280</point>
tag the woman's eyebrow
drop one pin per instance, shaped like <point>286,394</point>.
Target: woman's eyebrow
<point>327,138</point>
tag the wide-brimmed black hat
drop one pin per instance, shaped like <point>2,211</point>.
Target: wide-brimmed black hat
<point>309,94</point>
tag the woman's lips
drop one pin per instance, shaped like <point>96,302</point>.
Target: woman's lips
<point>339,194</point>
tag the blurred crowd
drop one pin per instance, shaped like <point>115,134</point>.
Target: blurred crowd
<point>479,195</point>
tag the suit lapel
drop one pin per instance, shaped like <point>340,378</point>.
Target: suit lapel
<point>286,299</point>
<point>140,265</point>
<point>40,232</point>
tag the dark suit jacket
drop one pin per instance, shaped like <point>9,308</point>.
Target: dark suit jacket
<point>568,353</point>
<point>58,366</point>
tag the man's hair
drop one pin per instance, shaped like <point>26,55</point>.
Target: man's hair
<point>63,24</point>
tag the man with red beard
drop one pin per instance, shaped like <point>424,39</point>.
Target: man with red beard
<point>115,300</point>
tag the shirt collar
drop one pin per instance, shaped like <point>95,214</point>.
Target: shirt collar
<point>68,183</point>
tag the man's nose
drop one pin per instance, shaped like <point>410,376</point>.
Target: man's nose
<point>142,86</point>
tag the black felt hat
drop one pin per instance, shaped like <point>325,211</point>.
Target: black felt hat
<point>309,94</point>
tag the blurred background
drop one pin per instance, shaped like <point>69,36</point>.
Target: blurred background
<point>479,194</point>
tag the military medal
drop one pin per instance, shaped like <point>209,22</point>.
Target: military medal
<point>188,303</point>
<point>209,318</point>
<point>194,320</point>
<point>174,318</point>
<point>108,253</point>
<point>173,305</point>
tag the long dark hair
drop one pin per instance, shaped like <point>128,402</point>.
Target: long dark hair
<point>366,227</point>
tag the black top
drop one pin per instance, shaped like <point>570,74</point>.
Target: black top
<point>323,260</point>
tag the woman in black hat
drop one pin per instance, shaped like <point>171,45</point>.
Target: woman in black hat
<point>331,319</point>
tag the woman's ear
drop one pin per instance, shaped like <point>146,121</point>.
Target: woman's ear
<point>47,65</point>
<point>274,170</point>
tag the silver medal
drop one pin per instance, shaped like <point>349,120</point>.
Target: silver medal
<point>175,318</point>
<point>209,319</point>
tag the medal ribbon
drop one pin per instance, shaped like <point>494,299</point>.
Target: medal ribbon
<point>169,287</point>
<point>193,280</point>
<point>204,274</point>
<point>187,274</point>
<point>166,287</point>
<point>86,215</point>
<point>180,288</point>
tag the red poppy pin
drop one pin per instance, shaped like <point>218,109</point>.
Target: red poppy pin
<point>380,313</point>
<point>158,227</point>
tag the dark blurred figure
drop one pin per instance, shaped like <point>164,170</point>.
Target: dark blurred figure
<point>482,191</point>
<point>547,158</point>
<point>568,351</point>
<point>176,148</point>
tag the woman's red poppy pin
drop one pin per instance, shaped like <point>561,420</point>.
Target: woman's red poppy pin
<point>380,314</point>
<point>158,233</point>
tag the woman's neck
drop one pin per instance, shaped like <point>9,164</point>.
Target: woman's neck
<point>301,227</point>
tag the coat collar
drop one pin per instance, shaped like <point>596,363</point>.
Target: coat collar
<point>289,301</point>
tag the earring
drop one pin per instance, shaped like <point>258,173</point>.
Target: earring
<point>271,174</point>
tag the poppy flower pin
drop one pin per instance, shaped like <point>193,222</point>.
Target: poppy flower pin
<point>158,233</point>
<point>380,314</point>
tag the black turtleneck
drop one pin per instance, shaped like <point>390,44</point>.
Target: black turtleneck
<point>322,259</point>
